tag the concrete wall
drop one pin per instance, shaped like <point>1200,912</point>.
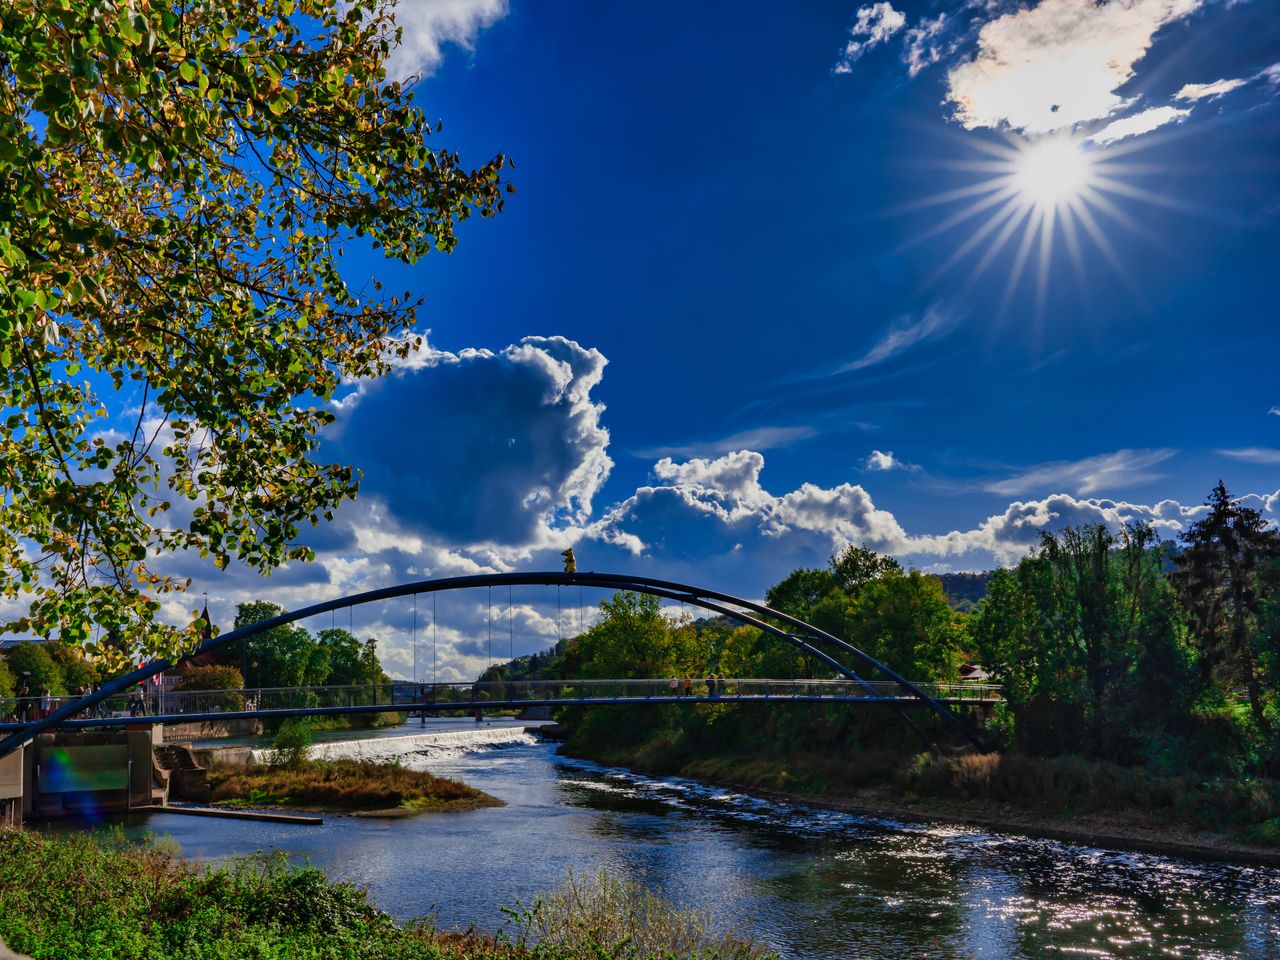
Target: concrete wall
<point>211,730</point>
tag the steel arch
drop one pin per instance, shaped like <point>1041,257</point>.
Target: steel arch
<point>799,636</point>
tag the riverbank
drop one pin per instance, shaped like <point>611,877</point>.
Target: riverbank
<point>95,897</point>
<point>1063,799</point>
<point>343,786</point>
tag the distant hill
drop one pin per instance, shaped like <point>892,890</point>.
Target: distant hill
<point>965,590</point>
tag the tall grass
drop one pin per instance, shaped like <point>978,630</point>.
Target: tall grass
<point>612,916</point>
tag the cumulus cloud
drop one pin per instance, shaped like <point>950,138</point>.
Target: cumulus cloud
<point>1263,455</point>
<point>903,334</point>
<point>481,447</point>
<point>1274,411</point>
<point>1136,124</point>
<point>429,24</point>
<point>715,518</point>
<point>1057,64</point>
<point>1107,470</point>
<point>874,24</point>
<point>759,438</point>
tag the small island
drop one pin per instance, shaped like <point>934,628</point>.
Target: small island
<point>358,787</point>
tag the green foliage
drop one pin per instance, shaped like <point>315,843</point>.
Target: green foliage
<point>284,656</point>
<point>349,660</point>
<point>34,670</point>
<point>177,185</point>
<point>855,567</point>
<point>100,897</point>
<point>291,744</point>
<point>216,677</point>
<point>7,685</point>
<point>1227,580</point>
<point>905,621</point>
<point>1088,643</point>
<point>77,672</point>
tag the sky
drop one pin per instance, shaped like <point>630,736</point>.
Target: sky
<point>778,278</point>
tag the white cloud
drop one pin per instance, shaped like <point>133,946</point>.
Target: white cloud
<point>904,334</point>
<point>716,519</point>
<point>874,24</point>
<point>1274,411</point>
<point>760,438</point>
<point>884,460</point>
<point>1136,124</point>
<point>429,24</point>
<point>1201,91</point>
<point>1057,64</point>
<point>1263,455</point>
<point>1105,471</point>
<point>923,44</point>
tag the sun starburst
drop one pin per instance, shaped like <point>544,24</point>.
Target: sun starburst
<point>1030,194</point>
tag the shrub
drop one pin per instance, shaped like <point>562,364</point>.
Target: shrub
<point>291,744</point>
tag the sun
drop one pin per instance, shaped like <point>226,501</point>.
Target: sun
<point>1027,195</point>
<point>1052,172</point>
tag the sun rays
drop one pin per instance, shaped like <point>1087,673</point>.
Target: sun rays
<point>1030,199</point>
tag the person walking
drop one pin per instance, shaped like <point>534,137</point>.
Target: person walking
<point>688,686</point>
<point>46,703</point>
<point>674,687</point>
<point>711,685</point>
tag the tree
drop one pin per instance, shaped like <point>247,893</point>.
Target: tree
<point>34,671</point>
<point>905,621</point>
<point>855,567</point>
<point>77,672</point>
<point>1220,581</point>
<point>800,591</point>
<point>216,677</point>
<point>350,661</point>
<point>7,685</point>
<point>1087,643</point>
<point>284,656</point>
<point>177,184</point>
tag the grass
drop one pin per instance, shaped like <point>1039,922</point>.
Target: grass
<point>100,897</point>
<point>343,785</point>
<point>622,918</point>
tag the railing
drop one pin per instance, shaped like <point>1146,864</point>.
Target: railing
<point>401,695</point>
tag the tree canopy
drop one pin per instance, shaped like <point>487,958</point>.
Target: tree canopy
<point>177,185</point>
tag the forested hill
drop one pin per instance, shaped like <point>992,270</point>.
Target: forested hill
<point>965,590</point>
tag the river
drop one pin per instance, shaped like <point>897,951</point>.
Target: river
<point>813,883</point>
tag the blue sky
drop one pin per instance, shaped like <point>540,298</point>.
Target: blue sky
<point>749,302</point>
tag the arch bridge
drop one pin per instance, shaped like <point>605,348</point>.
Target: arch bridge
<point>861,678</point>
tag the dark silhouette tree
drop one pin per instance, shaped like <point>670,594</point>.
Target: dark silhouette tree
<point>1219,579</point>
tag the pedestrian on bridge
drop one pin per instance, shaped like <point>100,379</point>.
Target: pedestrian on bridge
<point>688,686</point>
<point>674,686</point>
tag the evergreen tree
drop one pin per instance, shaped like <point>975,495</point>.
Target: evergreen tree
<point>1220,581</point>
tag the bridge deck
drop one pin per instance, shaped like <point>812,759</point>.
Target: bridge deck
<point>258,703</point>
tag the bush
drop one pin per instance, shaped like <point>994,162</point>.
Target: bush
<point>291,744</point>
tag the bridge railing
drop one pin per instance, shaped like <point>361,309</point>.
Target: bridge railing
<point>399,695</point>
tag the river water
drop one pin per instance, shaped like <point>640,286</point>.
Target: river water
<point>813,883</point>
